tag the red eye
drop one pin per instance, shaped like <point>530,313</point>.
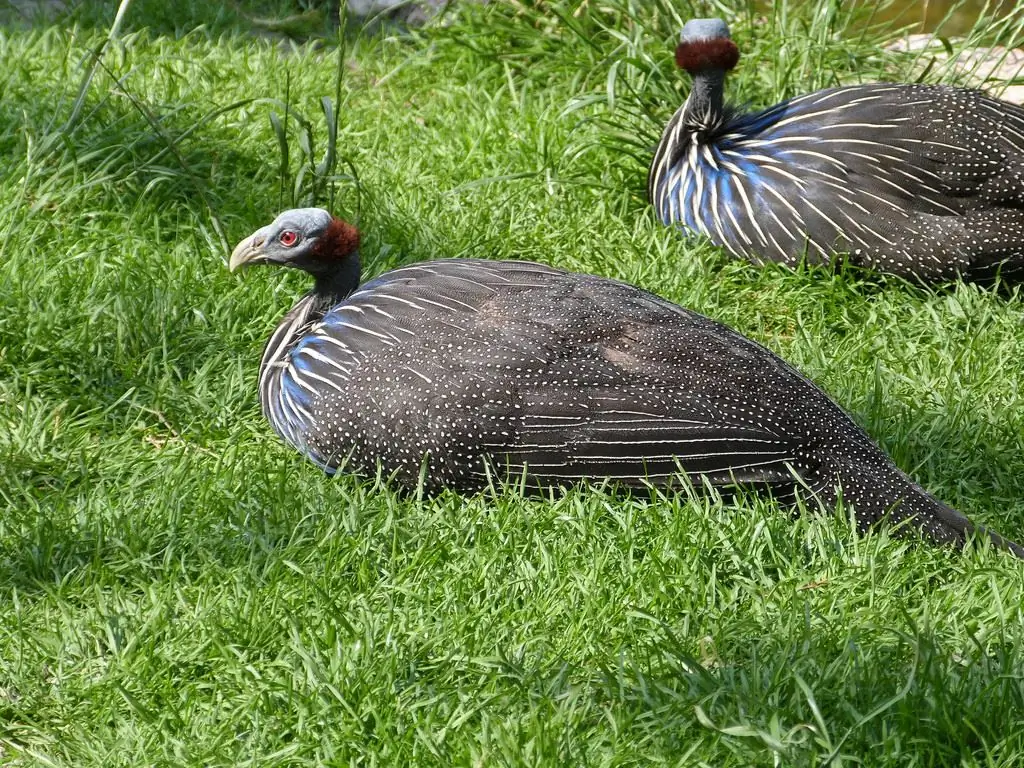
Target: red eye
<point>288,238</point>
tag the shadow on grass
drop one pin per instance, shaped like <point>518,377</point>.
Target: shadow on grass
<point>857,691</point>
<point>274,20</point>
<point>84,511</point>
<point>174,19</point>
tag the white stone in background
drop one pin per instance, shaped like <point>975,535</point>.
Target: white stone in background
<point>410,11</point>
<point>985,68</point>
<point>14,11</point>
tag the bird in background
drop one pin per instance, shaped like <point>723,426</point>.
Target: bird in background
<point>921,181</point>
<point>454,372</point>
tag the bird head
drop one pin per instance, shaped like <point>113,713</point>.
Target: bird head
<point>309,239</point>
<point>705,44</point>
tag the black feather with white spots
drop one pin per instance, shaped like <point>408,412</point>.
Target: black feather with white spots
<point>458,368</point>
<point>921,181</point>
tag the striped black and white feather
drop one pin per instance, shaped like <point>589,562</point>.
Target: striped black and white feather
<point>448,372</point>
<point>921,181</point>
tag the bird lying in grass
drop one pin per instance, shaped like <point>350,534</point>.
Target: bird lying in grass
<point>447,373</point>
<point>920,181</point>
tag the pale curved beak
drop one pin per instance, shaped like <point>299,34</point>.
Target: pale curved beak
<point>246,252</point>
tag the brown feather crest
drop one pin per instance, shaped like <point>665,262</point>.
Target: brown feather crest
<point>695,56</point>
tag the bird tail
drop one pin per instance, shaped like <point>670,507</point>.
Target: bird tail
<point>886,494</point>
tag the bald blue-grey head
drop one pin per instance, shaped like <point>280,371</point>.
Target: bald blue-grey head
<point>310,239</point>
<point>283,241</point>
<point>705,46</point>
<point>707,52</point>
<point>704,29</point>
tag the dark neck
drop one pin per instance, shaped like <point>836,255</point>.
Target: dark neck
<point>705,107</point>
<point>336,285</point>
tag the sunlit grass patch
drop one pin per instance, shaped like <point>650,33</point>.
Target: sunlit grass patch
<point>179,588</point>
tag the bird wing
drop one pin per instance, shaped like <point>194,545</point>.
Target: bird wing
<point>653,390</point>
<point>878,171</point>
<point>616,432</point>
<point>568,376</point>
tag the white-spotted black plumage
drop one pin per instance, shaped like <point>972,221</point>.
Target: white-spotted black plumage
<point>921,181</point>
<point>448,372</point>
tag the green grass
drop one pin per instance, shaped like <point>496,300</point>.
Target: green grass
<point>178,588</point>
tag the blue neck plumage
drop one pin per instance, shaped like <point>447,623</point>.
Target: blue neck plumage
<point>286,396</point>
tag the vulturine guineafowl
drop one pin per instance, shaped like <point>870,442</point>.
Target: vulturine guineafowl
<point>921,181</point>
<point>447,372</point>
